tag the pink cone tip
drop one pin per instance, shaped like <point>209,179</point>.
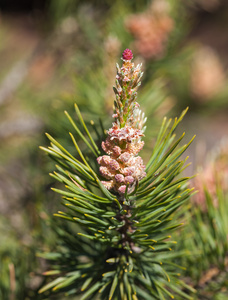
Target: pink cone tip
<point>127,54</point>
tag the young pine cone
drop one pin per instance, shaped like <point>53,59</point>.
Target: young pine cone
<point>122,167</point>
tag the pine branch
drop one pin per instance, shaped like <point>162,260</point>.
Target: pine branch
<point>118,244</point>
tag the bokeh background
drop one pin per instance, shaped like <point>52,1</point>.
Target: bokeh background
<point>55,53</point>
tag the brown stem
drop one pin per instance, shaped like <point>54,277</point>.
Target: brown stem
<point>127,227</point>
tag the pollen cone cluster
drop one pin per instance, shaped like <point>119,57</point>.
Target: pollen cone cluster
<point>121,166</point>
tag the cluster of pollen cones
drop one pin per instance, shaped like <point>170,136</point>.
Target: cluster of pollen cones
<point>121,166</point>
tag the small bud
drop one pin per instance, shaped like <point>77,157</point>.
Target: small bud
<point>99,159</point>
<point>116,150</point>
<point>119,178</point>
<point>124,157</point>
<point>127,54</point>
<point>105,160</point>
<point>128,171</point>
<point>108,184</point>
<point>129,179</point>
<point>105,172</point>
<point>122,189</point>
<point>114,165</point>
